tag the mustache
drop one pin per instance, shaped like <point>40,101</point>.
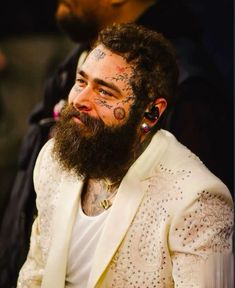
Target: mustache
<point>68,112</point>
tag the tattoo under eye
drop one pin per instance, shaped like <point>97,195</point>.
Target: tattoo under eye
<point>119,113</point>
<point>98,54</point>
<point>103,103</point>
<point>77,89</point>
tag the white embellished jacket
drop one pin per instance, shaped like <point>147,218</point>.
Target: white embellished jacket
<point>170,215</point>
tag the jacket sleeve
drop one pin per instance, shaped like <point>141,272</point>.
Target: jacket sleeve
<point>31,273</point>
<point>200,240</point>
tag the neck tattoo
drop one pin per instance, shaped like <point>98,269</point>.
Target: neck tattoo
<point>98,195</point>
<point>112,188</point>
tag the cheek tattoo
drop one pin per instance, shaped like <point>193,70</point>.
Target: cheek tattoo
<point>103,103</point>
<point>128,99</point>
<point>77,89</point>
<point>119,113</point>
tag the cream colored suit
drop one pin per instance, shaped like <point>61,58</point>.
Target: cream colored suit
<point>169,215</point>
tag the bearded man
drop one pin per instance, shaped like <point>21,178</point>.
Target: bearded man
<point>202,128</point>
<point>121,203</point>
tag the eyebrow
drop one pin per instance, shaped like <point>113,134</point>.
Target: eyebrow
<point>100,82</point>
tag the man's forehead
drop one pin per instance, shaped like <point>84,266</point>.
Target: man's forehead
<point>106,60</point>
<point>100,53</point>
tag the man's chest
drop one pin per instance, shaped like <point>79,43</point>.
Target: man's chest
<point>97,196</point>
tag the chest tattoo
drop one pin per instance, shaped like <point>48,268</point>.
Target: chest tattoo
<point>94,194</point>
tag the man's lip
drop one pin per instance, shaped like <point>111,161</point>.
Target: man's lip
<point>77,119</point>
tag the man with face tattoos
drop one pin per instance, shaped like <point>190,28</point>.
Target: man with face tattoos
<point>196,118</point>
<point>121,203</point>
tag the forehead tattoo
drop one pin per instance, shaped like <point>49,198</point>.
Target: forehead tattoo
<point>123,77</point>
<point>98,54</point>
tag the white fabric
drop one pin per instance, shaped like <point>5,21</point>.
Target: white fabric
<point>82,247</point>
<point>170,214</point>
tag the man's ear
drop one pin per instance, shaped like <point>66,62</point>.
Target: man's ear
<point>152,115</point>
<point>117,2</point>
<point>155,109</point>
<point>161,104</point>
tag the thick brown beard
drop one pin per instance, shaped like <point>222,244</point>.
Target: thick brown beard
<point>93,149</point>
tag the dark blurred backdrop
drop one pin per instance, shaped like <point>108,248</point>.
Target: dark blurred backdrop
<point>31,47</point>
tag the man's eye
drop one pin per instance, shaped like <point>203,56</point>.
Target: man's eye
<point>104,92</point>
<point>80,81</point>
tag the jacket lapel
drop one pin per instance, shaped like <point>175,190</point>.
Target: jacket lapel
<point>125,206</point>
<point>64,216</point>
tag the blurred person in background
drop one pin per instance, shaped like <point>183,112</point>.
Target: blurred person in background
<point>205,129</point>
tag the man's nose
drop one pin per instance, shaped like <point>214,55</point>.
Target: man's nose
<point>81,99</point>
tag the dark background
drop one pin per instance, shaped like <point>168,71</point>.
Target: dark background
<point>31,47</point>
<point>27,17</point>
<point>216,18</point>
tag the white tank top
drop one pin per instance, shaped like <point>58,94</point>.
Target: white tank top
<point>85,236</point>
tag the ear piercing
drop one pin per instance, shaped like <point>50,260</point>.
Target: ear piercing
<point>145,128</point>
<point>152,115</point>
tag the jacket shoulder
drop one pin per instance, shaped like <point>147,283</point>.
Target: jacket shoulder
<point>181,168</point>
